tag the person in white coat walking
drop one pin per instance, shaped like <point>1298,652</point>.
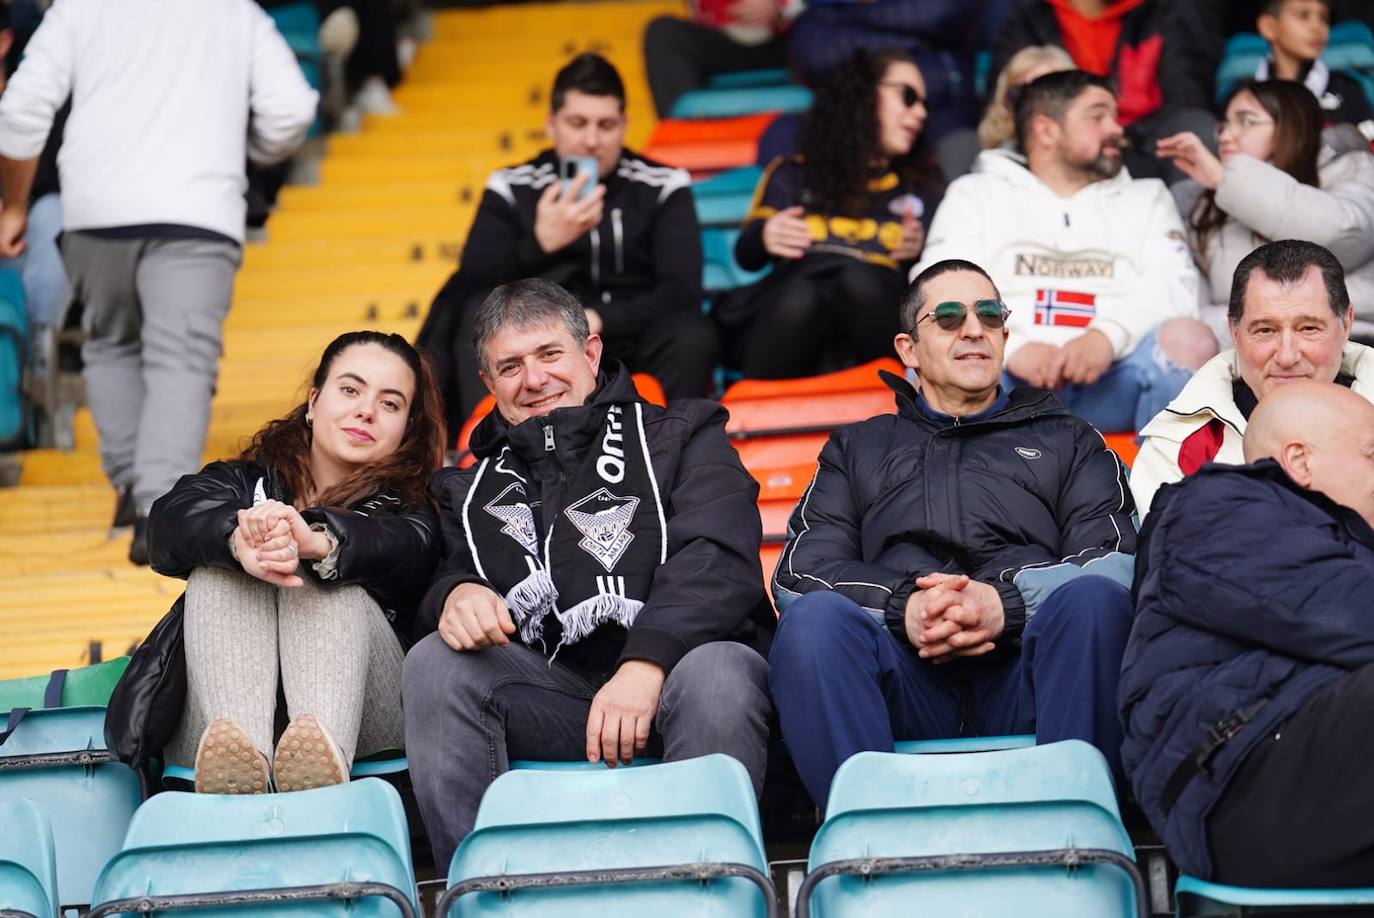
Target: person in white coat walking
<point>168,100</point>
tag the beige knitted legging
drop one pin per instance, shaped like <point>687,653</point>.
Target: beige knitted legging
<point>337,655</point>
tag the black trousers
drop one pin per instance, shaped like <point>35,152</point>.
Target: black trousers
<point>680,55</point>
<point>826,312</point>
<point>680,349</point>
<point>1299,811</point>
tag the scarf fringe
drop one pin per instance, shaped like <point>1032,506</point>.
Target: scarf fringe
<point>590,614</point>
<point>529,601</point>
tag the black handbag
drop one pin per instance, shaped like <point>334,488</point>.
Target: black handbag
<point>146,706</point>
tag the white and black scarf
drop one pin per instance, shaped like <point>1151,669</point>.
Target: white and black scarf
<point>600,553</point>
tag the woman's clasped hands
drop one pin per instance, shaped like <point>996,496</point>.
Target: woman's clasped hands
<point>271,540</point>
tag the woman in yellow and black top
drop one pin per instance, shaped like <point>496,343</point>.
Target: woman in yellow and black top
<point>841,223</point>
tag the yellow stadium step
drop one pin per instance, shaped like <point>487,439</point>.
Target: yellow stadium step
<point>367,247</point>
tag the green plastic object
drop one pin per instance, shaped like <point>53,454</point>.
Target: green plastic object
<point>1195,898</point>
<point>534,821</point>
<point>86,686</point>
<point>28,865</point>
<point>1031,799</point>
<point>182,843</point>
<point>87,798</point>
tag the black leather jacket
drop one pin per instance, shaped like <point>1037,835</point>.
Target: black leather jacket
<point>390,552</point>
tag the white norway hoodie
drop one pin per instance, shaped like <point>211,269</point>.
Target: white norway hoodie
<point>1113,257</point>
<point>162,92</point>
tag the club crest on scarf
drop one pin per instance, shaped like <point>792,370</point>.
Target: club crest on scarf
<point>512,507</point>
<point>604,520</point>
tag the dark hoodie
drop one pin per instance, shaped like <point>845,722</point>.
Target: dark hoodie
<point>709,589</point>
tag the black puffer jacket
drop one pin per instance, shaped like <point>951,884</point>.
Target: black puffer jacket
<point>1022,497</point>
<point>710,587</point>
<point>389,552</point>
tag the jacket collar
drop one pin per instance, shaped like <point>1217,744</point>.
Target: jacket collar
<point>1021,404</point>
<point>573,428</point>
<point>1208,394</point>
<point>1012,167</point>
<point>1269,470</point>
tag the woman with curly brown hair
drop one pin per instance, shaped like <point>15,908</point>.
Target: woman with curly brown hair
<point>306,556</point>
<point>841,224</point>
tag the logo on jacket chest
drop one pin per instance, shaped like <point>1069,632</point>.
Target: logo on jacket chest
<point>1051,266</point>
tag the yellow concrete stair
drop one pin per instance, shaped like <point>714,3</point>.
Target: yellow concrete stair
<point>367,247</point>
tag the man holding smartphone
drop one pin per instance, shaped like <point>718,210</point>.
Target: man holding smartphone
<point>621,235</point>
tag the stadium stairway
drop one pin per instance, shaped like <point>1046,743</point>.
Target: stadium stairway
<point>367,247</point>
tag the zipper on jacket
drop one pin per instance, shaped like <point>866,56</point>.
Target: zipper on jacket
<point>618,236</point>
<point>548,438</point>
<point>596,257</point>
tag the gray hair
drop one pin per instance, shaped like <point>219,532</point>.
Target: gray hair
<point>525,303</point>
<point>914,297</point>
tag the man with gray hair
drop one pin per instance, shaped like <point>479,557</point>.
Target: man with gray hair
<point>602,595</point>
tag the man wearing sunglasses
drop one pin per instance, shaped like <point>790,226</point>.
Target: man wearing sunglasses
<point>1095,265</point>
<point>960,567</point>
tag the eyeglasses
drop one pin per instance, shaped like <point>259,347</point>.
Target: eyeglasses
<point>950,316</point>
<point>911,96</point>
<point>1242,123</point>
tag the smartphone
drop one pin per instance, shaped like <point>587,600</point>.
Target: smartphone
<point>570,167</point>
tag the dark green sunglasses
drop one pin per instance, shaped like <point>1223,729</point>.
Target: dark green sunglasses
<point>950,316</point>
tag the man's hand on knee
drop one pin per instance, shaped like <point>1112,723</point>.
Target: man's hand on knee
<point>622,713</point>
<point>475,617</point>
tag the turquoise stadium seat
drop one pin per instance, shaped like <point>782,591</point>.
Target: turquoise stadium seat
<point>733,102</point>
<point>719,271</point>
<point>299,24</point>
<point>747,78</point>
<point>1194,897</point>
<point>56,758</point>
<point>370,768</point>
<point>963,744</point>
<point>346,845</point>
<point>28,865</point>
<point>724,198</point>
<point>578,765</point>
<point>679,839</point>
<point>1028,832</point>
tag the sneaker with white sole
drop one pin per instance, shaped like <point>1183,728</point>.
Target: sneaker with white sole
<point>227,762</point>
<point>307,757</point>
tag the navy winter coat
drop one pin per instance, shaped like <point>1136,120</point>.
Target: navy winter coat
<point>1024,497</point>
<point>1251,594</point>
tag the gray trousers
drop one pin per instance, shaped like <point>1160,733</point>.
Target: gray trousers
<point>469,714</point>
<point>153,315</point>
<point>333,647</point>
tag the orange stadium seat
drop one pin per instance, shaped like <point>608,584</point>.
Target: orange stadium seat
<point>674,131</point>
<point>1124,445</point>
<point>707,146</point>
<point>647,386</point>
<point>762,406</point>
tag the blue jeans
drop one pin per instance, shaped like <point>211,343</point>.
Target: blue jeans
<point>842,683</point>
<point>1132,391</point>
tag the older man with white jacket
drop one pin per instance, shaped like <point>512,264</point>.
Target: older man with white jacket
<point>1095,266</point>
<point>1289,318</point>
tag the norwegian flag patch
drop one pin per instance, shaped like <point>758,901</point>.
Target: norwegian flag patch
<point>1064,307</point>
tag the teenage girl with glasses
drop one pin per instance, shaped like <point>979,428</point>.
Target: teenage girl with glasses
<point>1278,176</point>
